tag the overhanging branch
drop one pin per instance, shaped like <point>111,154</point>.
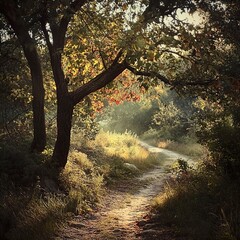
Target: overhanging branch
<point>148,74</point>
<point>195,83</point>
<point>165,80</point>
<point>100,80</point>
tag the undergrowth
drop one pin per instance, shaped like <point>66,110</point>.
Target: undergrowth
<point>201,204</point>
<point>126,147</point>
<point>35,202</point>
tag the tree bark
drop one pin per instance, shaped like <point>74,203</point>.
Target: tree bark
<point>11,13</point>
<point>64,125</point>
<point>64,109</point>
<point>39,127</point>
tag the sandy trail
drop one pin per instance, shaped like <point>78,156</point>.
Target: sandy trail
<point>122,210</point>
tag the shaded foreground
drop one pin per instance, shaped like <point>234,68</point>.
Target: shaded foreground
<point>125,209</point>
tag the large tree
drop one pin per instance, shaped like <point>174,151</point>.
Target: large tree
<point>145,44</point>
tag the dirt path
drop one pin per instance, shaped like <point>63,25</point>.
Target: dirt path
<point>123,209</point>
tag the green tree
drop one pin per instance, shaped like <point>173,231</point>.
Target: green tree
<point>143,43</point>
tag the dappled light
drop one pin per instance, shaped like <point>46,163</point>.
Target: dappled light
<point>119,119</point>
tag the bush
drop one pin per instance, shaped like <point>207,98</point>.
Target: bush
<point>221,133</point>
<point>18,167</point>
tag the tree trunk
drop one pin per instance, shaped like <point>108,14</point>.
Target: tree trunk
<point>64,125</point>
<point>20,27</point>
<point>39,128</point>
<point>64,111</point>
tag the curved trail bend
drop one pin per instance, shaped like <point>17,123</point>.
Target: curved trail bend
<point>122,210</point>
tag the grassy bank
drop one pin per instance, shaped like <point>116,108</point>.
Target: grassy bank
<point>201,205</point>
<point>126,147</point>
<point>191,149</point>
<point>35,202</point>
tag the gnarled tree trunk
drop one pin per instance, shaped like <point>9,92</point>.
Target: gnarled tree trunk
<point>39,128</point>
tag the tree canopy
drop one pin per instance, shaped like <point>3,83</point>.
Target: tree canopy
<point>88,44</point>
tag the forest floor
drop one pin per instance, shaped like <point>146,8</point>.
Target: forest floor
<point>124,213</point>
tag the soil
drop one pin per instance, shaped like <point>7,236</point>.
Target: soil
<point>125,211</point>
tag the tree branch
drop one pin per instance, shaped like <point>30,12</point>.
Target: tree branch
<point>167,81</point>
<point>119,55</point>
<point>76,5</point>
<point>100,80</point>
<point>195,83</point>
<point>73,8</point>
<point>102,58</point>
<point>148,74</point>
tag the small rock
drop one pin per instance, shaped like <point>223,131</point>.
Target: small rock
<point>76,224</point>
<point>130,166</point>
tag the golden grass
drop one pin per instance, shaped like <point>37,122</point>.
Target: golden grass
<point>83,181</point>
<point>125,146</point>
<point>201,205</point>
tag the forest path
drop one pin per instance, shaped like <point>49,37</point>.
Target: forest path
<point>124,209</point>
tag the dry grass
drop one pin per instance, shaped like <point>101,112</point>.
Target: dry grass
<point>125,146</point>
<point>201,205</point>
<point>39,219</point>
<point>83,181</point>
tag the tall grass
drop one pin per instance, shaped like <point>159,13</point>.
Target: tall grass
<point>201,205</point>
<point>37,219</point>
<point>31,209</point>
<point>125,146</point>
